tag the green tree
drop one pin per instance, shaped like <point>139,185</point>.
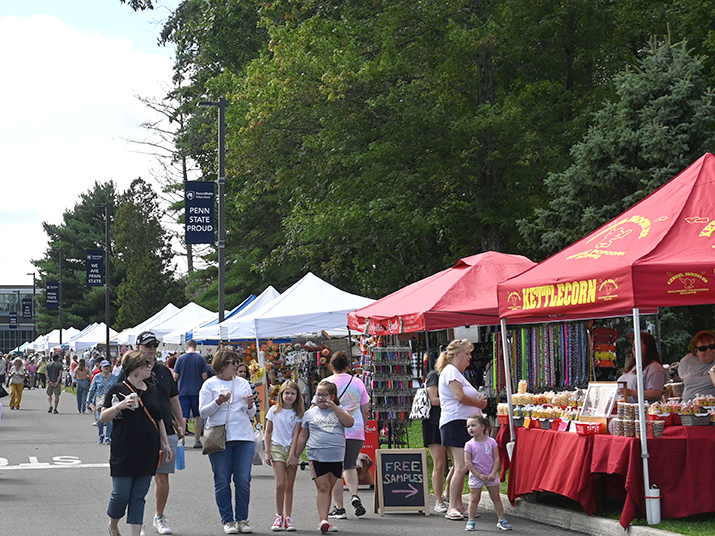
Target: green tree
<point>82,228</point>
<point>661,121</point>
<point>142,247</point>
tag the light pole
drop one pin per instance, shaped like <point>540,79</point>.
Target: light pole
<point>34,325</point>
<point>221,244</point>
<point>60,296</point>
<point>106,270</point>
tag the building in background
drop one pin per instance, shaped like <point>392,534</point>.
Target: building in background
<point>11,297</point>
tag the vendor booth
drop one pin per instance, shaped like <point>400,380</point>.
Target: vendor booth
<point>658,253</point>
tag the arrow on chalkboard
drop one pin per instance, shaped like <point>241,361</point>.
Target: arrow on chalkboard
<point>409,492</point>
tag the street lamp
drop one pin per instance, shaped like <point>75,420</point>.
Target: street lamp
<point>221,244</point>
<point>106,270</point>
<point>19,315</point>
<point>34,325</point>
<point>60,296</point>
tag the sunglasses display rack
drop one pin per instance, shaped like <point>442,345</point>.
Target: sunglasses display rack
<point>389,381</point>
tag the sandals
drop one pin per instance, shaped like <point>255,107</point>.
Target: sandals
<point>454,516</point>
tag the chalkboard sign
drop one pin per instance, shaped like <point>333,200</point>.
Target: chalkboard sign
<point>401,481</point>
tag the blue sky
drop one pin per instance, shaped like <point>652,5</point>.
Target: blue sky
<point>72,71</point>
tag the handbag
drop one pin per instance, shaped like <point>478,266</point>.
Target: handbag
<point>3,392</point>
<point>421,405</point>
<point>215,440</point>
<point>260,447</point>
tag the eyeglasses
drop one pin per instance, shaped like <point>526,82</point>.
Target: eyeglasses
<point>154,344</point>
<point>705,348</point>
<point>231,362</point>
<point>322,395</point>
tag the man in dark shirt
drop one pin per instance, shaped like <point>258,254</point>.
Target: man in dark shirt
<point>54,382</point>
<point>190,371</point>
<point>168,391</point>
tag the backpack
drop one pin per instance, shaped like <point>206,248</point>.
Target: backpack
<point>421,405</point>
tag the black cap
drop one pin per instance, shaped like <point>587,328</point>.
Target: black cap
<point>145,337</point>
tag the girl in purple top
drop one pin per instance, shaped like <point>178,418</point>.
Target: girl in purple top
<point>482,459</point>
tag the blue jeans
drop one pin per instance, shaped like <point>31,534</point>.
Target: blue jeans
<point>82,390</point>
<point>100,425</point>
<point>128,494</point>
<point>236,462</point>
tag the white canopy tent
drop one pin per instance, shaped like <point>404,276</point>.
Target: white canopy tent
<point>90,337</point>
<point>129,336</point>
<point>191,313</point>
<point>310,305</point>
<point>215,332</point>
<point>52,339</point>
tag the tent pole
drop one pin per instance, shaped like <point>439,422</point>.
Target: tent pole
<point>641,406</point>
<point>507,376</point>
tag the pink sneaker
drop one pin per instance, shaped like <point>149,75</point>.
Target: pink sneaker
<point>327,527</point>
<point>289,524</point>
<point>278,523</point>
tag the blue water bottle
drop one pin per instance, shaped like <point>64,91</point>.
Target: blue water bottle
<point>180,459</point>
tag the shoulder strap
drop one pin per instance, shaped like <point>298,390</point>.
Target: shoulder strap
<point>346,387</point>
<point>142,404</point>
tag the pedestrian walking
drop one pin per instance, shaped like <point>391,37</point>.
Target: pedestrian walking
<point>81,377</point>
<point>54,383</point>
<point>139,441</point>
<point>18,375</point>
<point>190,372</point>
<point>95,399</point>
<point>283,424</point>
<point>226,399</point>
<point>324,435</point>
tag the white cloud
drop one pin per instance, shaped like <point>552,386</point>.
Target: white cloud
<point>69,102</point>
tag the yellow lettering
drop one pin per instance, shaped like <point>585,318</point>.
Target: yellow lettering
<point>559,294</point>
<point>583,290</point>
<point>591,291</point>
<point>567,294</point>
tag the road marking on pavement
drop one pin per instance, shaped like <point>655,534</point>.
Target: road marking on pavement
<point>60,462</point>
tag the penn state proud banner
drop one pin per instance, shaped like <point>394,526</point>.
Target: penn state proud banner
<point>199,205</point>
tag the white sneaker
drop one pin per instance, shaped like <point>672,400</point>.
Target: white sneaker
<point>440,508</point>
<point>161,526</point>
<point>230,528</point>
<point>244,527</point>
<point>142,531</point>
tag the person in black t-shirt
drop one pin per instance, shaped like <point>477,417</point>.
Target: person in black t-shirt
<point>138,435</point>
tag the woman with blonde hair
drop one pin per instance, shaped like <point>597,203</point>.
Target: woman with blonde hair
<point>458,401</point>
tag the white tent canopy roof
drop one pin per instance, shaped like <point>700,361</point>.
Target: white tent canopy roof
<point>90,337</point>
<point>52,339</point>
<point>310,305</point>
<point>129,336</point>
<point>220,331</point>
<point>190,313</point>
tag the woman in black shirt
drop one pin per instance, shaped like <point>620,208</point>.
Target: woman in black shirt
<point>137,435</point>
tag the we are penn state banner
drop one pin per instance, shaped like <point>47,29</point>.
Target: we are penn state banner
<point>26,308</point>
<point>199,206</point>
<point>95,267</point>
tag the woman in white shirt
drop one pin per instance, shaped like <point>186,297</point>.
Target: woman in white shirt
<point>219,393</point>
<point>654,373</point>
<point>458,401</point>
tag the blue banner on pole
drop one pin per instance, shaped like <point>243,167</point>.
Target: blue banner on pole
<point>13,320</point>
<point>52,295</point>
<point>27,308</point>
<point>95,267</point>
<point>199,203</point>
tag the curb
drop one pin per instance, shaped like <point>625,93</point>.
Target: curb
<point>568,519</point>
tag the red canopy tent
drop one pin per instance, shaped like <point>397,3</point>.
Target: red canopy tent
<point>462,295</point>
<point>660,252</point>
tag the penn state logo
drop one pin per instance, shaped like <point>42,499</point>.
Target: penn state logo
<point>190,195</point>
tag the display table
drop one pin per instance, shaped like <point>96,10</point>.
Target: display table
<point>682,465</point>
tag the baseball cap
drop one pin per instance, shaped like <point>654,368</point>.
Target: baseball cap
<point>105,363</point>
<point>146,337</point>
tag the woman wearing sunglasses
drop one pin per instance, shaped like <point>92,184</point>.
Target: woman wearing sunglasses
<point>696,368</point>
<point>654,374</point>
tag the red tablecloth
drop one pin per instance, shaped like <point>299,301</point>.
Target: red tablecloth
<point>682,465</point>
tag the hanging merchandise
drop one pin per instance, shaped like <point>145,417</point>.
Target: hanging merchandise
<point>391,390</point>
<point>546,356</point>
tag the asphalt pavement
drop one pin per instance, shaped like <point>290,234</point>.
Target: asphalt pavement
<point>54,479</point>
